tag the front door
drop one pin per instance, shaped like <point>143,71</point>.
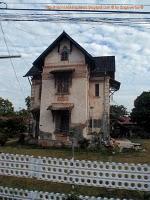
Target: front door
<point>62,118</point>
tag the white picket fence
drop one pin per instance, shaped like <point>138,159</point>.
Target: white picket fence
<point>20,194</point>
<point>88,173</point>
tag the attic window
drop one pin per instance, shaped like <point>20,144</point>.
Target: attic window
<point>64,54</point>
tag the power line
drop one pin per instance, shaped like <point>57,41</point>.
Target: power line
<point>65,18</point>
<point>78,11</point>
<point>13,67</point>
<point>47,3</point>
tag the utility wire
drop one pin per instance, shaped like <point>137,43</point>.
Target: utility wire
<point>13,67</point>
<point>34,17</point>
<point>135,24</point>
<point>78,11</point>
<point>48,3</point>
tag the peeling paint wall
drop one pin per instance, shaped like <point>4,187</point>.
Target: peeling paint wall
<point>101,104</point>
<point>96,102</point>
<point>36,93</point>
<point>75,57</point>
<point>78,89</point>
<point>81,94</point>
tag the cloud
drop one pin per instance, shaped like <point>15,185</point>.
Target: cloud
<point>130,45</point>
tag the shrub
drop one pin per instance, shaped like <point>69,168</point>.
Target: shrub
<point>12,125</point>
<point>84,143</point>
<point>3,138</point>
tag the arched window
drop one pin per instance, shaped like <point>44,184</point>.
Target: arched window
<point>64,54</point>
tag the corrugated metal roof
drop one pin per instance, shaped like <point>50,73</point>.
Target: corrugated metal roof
<point>104,64</point>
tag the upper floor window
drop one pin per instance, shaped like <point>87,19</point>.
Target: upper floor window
<point>64,54</point>
<point>97,90</point>
<point>62,82</point>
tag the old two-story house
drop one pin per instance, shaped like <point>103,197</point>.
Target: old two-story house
<point>70,91</point>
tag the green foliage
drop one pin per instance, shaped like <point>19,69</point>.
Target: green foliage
<point>117,111</point>
<point>28,102</point>
<point>141,110</point>
<point>11,122</point>
<point>6,107</point>
<point>72,197</point>
<point>76,134</point>
<point>83,143</point>
<point>3,138</point>
<point>23,113</point>
<point>12,125</point>
<point>95,142</point>
<point>74,194</point>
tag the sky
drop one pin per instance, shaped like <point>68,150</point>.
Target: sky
<point>130,45</point>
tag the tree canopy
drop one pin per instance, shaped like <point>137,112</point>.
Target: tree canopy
<point>28,102</point>
<point>6,107</point>
<point>12,122</point>
<point>141,110</point>
<point>117,111</point>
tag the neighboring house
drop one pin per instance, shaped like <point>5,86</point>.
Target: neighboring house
<point>70,91</point>
<point>124,127</point>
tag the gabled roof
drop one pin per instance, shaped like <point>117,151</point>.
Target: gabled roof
<point>98,65</point>
<point>39,61</point>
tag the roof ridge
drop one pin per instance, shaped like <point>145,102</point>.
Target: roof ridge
<point>39,61</point>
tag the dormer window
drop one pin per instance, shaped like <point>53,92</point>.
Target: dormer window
<point>64,54</point>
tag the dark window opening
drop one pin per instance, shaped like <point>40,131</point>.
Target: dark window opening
<point>95,123</point>
<point>35,125</point>
<point>62,82</point>
<point>62,119</point>
<point>64,54</point>
<point>40,91</point>
<point>97,90</point>
<point>90,123</point>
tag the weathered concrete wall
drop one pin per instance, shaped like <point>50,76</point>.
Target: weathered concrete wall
<point>81,94</point>
<point>78,90</point>
<point>36,93</point>
<point>100,105</point>
<point>75,57</point>
<point>96,102</point>
<point>106,121</point>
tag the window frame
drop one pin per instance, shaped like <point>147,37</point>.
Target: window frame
<point>65,54</point>
<point>62,83</point>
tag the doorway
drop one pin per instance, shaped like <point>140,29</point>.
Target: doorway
<point>62,121</point>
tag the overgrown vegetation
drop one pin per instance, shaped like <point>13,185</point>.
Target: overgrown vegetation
<point>137,124</point>
<point>12,123</point>
<point>141,111</point>
<point>6,107</point>
<point>117,111</point>
<point>73,194</point>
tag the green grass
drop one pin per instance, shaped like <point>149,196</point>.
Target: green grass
<point>31,184</point>
<point>129,157</point>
